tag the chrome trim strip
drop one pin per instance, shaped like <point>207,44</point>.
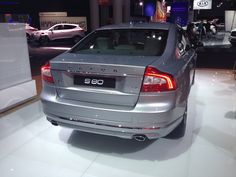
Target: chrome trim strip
<point>115,126</point>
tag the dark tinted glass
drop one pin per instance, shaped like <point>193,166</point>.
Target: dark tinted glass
<point>58,27</point>
<point>69,27</point>
<point>146,42</point>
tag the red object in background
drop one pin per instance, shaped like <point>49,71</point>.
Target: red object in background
<point>103,2</point>
<point>161,12</point>
<point>46,73</point>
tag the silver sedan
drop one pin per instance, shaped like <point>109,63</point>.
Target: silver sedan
<point>129,81</point>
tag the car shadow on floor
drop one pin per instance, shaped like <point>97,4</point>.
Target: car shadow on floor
<point>106,144</point>
<point>56,43</point>
<point>160,149</point>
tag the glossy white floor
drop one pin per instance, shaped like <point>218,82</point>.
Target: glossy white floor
<point>31,147</point>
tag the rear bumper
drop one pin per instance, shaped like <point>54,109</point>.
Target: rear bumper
<point>232,39</point>
<point>111,130</point>
<point>119,122</point>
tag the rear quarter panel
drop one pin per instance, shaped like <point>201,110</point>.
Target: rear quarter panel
<point>180,66</point>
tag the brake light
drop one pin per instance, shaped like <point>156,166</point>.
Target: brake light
<point>156,81</point>
<point>46,73</point>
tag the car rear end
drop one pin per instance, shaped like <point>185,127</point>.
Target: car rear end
<point>29,31</point>
<point>232,37</point>
<point>77,31</point>
<point>114,90</point>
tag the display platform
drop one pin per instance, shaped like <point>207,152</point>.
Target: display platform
<point>17,94</point>
<point>31,146</point>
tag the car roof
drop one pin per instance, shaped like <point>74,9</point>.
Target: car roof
<point>139,25</point>
<point>66,24</point>
<point>233,30</point>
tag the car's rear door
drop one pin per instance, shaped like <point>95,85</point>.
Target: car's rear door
<point>57,32</point>
<point>68,31</point>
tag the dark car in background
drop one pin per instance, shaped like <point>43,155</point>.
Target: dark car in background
<point>128,80</point>
<point>209,28</point>
<point>232,37</point>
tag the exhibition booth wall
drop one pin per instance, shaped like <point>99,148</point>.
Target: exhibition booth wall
<point>230,20</point>
<point>16,84</point>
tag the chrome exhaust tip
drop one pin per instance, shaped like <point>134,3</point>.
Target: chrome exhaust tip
<point>140,137</point>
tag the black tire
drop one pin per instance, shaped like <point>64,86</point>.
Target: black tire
<point>28,37</point>
<point>193,81</point>
<point>44,40</point>
<point>77,39</point>
<point>194,70</point>
<point>234,69</point>
<point>179,131</point>
<point>233,43</point>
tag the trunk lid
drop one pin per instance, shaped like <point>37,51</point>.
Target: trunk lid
<point>105,79</point>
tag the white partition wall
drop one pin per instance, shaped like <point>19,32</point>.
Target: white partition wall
<point>230,20</point>
<point>16,84</point>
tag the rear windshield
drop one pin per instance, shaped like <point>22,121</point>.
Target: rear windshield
<point>145,42</point>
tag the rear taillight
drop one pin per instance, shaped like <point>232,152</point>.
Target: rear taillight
<point>46,73</point>
<point>156,81</point>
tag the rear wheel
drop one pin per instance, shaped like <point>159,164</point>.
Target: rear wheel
<point>233,43</point>
<point>193,81</point>
<point>179,131</point>
<point>27,37</point>
<point>234,69</point>
<point>77,39</point>
<point>44,40</point>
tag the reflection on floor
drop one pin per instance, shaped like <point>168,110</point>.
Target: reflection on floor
<point>38,82</point>
<point>31,147</point>
<point>220,39</point>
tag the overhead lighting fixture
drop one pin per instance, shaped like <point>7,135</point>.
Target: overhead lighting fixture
<point>141,3</point>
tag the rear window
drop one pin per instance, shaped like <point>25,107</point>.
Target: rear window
<point>144,42</point>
